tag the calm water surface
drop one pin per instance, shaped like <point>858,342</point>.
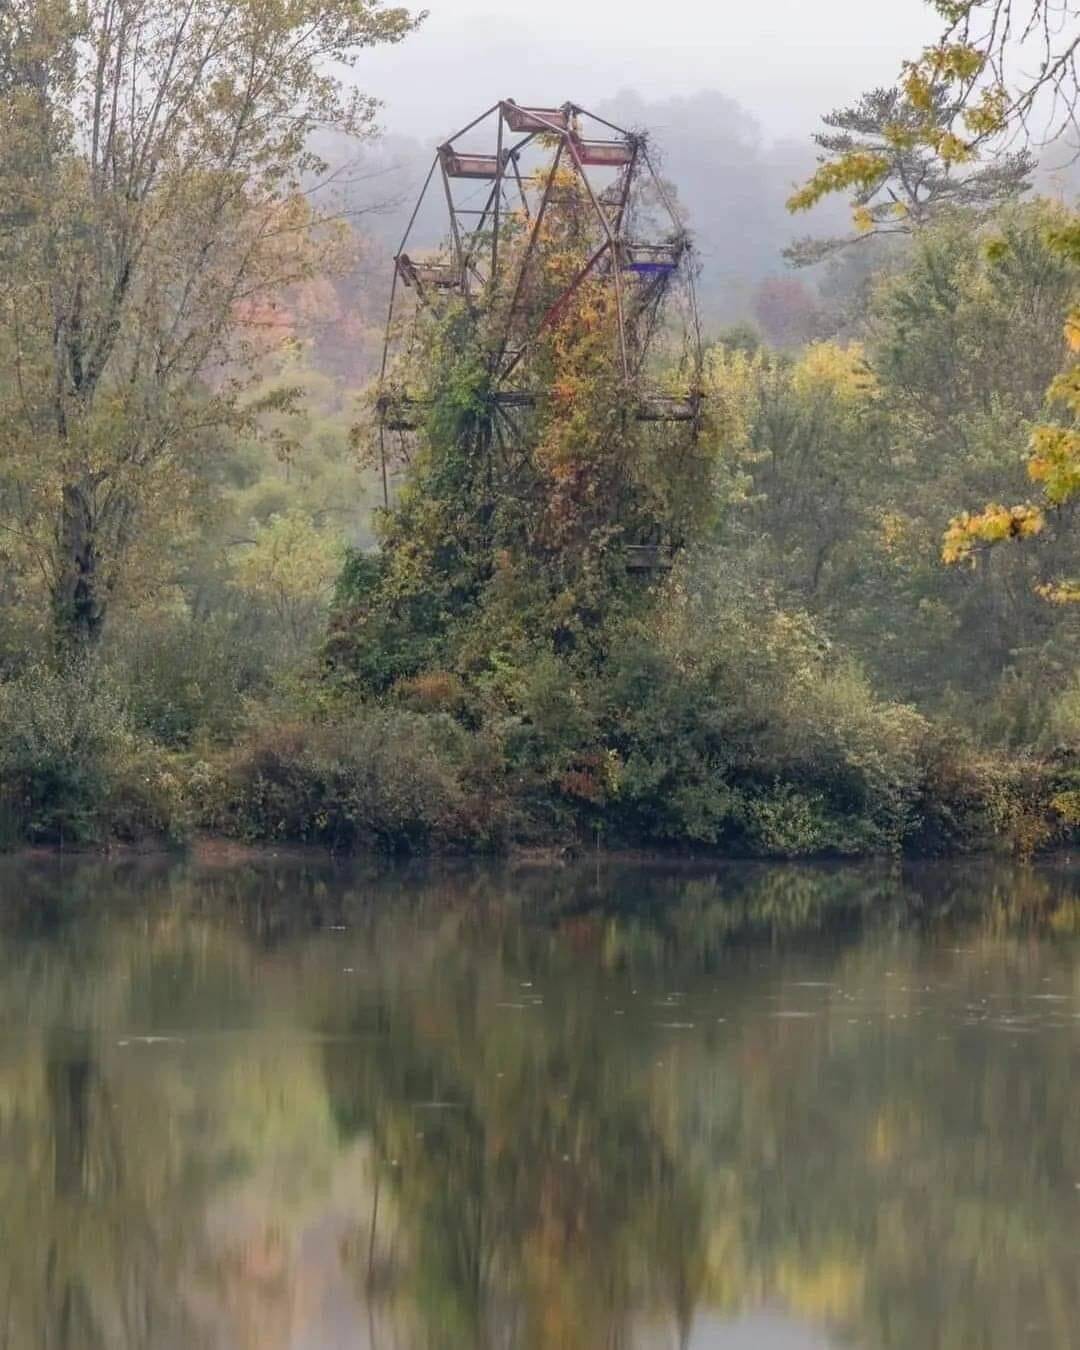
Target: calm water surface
<point>290,1105</point>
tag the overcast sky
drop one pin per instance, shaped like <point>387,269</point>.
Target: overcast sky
<point>786,61</point>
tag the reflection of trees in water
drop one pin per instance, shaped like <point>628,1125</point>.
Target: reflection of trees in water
<point>549,1175</point>
<point>114,1136</point>
<point>86,1207</point>
<point>536,1198</point>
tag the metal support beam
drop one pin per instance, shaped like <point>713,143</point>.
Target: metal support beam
<point>529,249</point>
<point>615,274</point>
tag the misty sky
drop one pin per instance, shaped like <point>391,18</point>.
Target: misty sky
<point>786,61</point>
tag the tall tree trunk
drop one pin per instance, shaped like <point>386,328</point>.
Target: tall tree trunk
<point>79,598</point>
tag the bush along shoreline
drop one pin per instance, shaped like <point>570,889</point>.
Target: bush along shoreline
<point>737,734</point>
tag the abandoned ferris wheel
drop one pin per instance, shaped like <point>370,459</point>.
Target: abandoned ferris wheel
<point>505,179</point>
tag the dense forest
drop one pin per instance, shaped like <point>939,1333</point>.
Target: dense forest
<point>224,611</point>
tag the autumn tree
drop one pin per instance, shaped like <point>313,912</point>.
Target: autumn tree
<point>153,165</point>
<point>806,436</point>
<point>965,92</point>
<point>899,181</point>
<point>787,311</point>
<point>998,68</point>
<point>1053,459</point>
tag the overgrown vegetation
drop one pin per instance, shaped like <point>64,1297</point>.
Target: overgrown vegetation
<point>207,626</point>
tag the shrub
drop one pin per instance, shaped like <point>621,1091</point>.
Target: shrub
<point>383,779</point>
<point>187,679</point>
<point>972,799</point>
<point>436,691</point>
<point>788,824</point>
<point>737,727</point>
<point>1064,728</point>
<point>71,768</point>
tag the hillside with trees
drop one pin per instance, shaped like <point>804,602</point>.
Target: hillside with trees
<point>830,611</point>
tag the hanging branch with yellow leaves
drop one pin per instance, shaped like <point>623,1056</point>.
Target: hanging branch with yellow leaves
<point>893,154</point>
<point>1053,460</point>
<point>959,99</point>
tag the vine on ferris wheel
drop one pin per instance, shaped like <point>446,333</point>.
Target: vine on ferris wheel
<point>507,179</point>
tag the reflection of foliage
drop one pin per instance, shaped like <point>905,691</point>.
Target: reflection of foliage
<point>558,1165</point>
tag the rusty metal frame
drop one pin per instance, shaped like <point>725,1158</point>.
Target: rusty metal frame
<point>579,111</point>
<point>615,275</point>
<point>529,250</point>
<point>628,182</point>
<point>520,186</point>
<point>390,320</point>
<point>636,324</point>
<point>498,200</point>
<point>459,255</point>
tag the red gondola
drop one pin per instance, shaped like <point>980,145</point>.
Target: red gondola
<point>603,154</point>
<point>460,165</point>
<point>522,120</point>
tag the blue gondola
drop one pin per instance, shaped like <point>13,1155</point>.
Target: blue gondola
<point>652,260</point>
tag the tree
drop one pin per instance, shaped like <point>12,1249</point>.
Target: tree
<point>1007,62</point>
<point>290,566</point>
<point>966,91</point>
<point>1053,459</point>
<point>965,341</point>
<point>900,183</point>
<point>787,311</point>
<point>807,435</point>
<point>152,173</point>
<point>852,461</point>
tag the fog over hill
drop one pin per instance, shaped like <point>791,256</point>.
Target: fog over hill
<point>729,93</point>
<point>784,61</point>
<point>731,179</point>
<point>730,97</point>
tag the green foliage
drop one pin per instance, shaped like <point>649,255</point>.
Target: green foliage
<point>387,780</point>
<point>847,462</point>
<point>1063,731</point>
<point>290,566</point>
<point>72,770</point>
<point>885,152</point>
<point>187,679</point>
<point>737,726</point>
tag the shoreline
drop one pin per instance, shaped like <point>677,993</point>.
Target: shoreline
<point>220,851</point>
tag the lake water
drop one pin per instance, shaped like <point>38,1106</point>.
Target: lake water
<point>288,1105</point>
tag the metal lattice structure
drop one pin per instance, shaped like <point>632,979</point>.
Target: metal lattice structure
<point>502,177</point>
